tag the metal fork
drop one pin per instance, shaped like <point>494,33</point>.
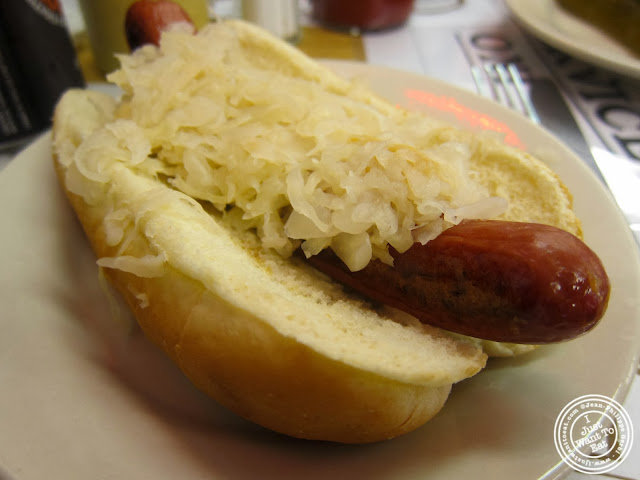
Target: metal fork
<point>504,84</point>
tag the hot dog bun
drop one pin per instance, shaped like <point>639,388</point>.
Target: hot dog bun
<point>267,336</point>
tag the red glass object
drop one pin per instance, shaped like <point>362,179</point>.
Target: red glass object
<point>362,14</point>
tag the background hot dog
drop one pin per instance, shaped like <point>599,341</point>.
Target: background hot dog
<point>145,20</point>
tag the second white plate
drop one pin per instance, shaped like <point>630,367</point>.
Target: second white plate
<point>546,20</point>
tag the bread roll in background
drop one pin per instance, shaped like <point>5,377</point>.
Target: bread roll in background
<point>618,19</point>
<point>264,334</point>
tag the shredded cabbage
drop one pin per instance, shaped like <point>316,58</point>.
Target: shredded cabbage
<point>298,163</point>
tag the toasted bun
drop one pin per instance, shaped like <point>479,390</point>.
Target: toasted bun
<point>267,336</point>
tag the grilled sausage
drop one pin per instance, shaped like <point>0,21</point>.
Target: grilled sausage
<point>504,281</point>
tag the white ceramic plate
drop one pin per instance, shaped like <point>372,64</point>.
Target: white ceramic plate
<point>85,396</point>
<point>546,20</point>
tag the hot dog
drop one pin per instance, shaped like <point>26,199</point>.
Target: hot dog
<point>505,282</point>
<point>519,293</point>
<point>145,20</point>
<point>186,205</point>
<point>502,281</point>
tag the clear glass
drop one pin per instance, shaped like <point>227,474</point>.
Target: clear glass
<point>280,17</point>
<point>429,7</point>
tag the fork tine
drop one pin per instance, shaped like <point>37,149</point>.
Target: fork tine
<point>522,93</point>
<point>484,79</point>
<point>478,78</point>
<point>505,85</point>
<point>506,81</point>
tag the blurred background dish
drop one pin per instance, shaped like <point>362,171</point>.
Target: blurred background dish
<point>552,24</point>
<point>619,19</point>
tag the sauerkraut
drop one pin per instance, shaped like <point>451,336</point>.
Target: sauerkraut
<point>301,164</point>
